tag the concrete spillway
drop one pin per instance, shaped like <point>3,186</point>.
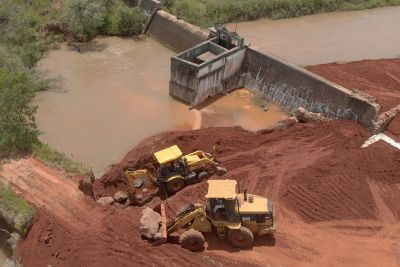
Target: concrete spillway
<point>286,84</point>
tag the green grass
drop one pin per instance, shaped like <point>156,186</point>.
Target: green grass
<point>23,211</point>
<point>57,159</point>
<point>207,13</point>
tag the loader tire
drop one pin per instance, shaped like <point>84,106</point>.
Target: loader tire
<point>175,185</point>
<point>202,175</point>
<point>192,240</point>
<point>241,238</point>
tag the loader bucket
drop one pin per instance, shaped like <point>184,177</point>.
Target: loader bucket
<point>221,169</point>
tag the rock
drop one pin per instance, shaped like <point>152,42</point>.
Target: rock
<point>11,263</point>
<point>139,197</point>
<point>283,124</point>
<point>86,183</point>
<point>384,119</point>
<point>138,183</point>
<point>149,223</point>
<point>13,240</point>
<point>304,115</point>
<point>120,196</point>
<point>158,236</point>
<point>144,190</point>
<point>264,107</point>
<point>127,203</point>
<point>105,201</point>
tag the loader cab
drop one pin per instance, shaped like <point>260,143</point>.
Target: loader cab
<point>170,162</point>
<point>222,203</point>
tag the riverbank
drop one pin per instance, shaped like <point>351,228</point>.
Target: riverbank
<point>210,12</point>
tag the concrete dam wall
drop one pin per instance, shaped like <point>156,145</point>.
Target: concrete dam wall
<point>284,83</point>
<point>193,80</point>
<point>174,32</point>
<point>293,87</point>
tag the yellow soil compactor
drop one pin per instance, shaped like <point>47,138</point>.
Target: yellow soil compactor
<point>229,214</point>
<point>175,170</point>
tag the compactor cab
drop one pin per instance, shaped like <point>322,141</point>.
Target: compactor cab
<point>228,213</point>
<point>238,216</point>
<point>175,170</point>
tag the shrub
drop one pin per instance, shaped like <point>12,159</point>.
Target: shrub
<point>84,17</point>
<point>124,21</point>
<point>22,211</point>
<point>18,130</point>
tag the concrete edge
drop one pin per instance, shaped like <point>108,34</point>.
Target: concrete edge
<point>353,93</point>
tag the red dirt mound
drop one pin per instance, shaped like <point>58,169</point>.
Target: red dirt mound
<point>325,206</point>
<point>315,173</point>
<point>377,78</point>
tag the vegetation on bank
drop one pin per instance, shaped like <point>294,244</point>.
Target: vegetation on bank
<point>21,211</point>
<point>86,18</point>
<point>27,30</point>
<point>57,159</point>
<point>207,13</point>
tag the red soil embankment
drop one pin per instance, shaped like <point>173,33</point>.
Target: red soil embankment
<point>326,207</point>
<point>320,179</point>
<point>377,78</point>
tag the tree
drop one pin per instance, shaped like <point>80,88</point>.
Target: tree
<point>124,20</point>
<point>18,130</point>
<point>84,17</point>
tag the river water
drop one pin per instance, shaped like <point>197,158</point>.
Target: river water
<point>114,94</point>
<point>330,37</point>
<point>106,99</point>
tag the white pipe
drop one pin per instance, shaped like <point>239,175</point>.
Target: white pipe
<point>381,136</point>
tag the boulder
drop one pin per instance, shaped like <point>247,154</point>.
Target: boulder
<point>149,223</point>
<point>13,240</point>
<point>304,115</point>
<point>105,201</point>
<point>85,183</point>
<point>121,196</point>
<point>11,263</point>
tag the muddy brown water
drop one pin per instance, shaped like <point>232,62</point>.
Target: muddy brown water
<point>106,99</point>
<point>114,94</point>
<point>330,37</point>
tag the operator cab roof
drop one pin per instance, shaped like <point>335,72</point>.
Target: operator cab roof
<point>167,155</point>
<point>227,189</point>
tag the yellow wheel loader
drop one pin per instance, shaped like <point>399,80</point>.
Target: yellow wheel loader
<point>175,170</point>
<point>229,214</point>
